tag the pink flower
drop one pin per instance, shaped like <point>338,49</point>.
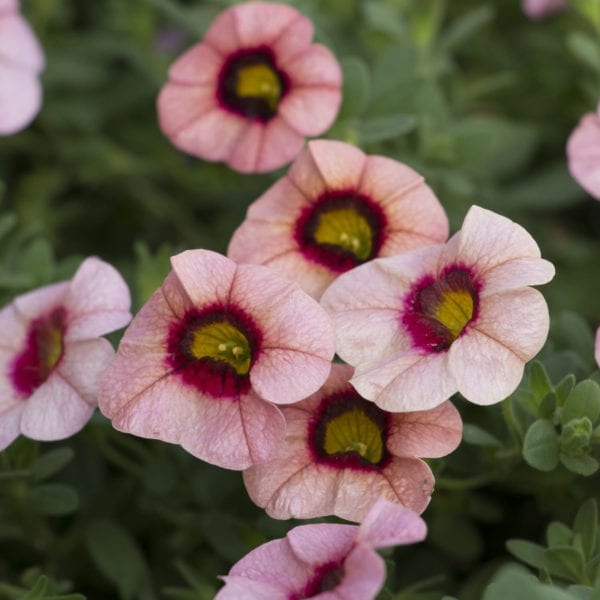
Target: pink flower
<point>325,561</point>
<point>597,349</point>
<point>583,153</point>
<point>423,325</point>
<point>202,361</point>
<point>252,90</point>
<point>342,453</point>
<point>51,355</point>
<point>335,209</point>
<point>21,61</point>
<point>536,9</point>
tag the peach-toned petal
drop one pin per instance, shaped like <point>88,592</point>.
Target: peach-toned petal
<point>97,302</point>
<point>270,207</point>
<point>206,276</point>
<point>323,543</point>
<point>583,154</point>
<point>10,424</point>
<point>407,382</point>
<point>488,239</point>
<point>245,153</point>
<point>597,347</point>
<point>260,242</point>
<point>55,410</point>
<point>200,66</point>
<point>388,524</point>
<point>311,110</point>
<point>517,273</point>
<point>280,144</point>
<point>429,433</point>
<point>222,33</point>
<point>259,23</point>
<point>181,106</point>
<point>19,46</point>
<point>295,38</point>
<point>315,67</point>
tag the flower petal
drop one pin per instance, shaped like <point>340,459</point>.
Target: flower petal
<point>517,273</point>
<point>323,543</point>
<point>10,424</point>
<point>280,144</point>
<point>19,45</point>
<point>364,576</point>
<point>237,588</point>
<point>200,66</point>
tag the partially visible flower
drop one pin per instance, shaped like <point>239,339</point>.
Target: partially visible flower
<point>342,453</point>
<point>583,153</point>
<point>425,324</point>
<point>210,351</point>
<point>51,355</point>
<point>326,561</point>
<point>597,351</point>
<point>252,90</point>
<point>21,61</point>
<point>537,9</point>
<point>335,209</point>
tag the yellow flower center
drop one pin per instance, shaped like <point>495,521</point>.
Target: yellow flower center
<point>259,81</point>
<point>346,228</point>
<point>222,341</point>
<point>455,310</point>
<point>353,431</point>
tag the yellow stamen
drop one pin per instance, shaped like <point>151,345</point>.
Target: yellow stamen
<point>346,228</point>
<point>259,81</point>
<point>455,310</point>
<point>224,342</point>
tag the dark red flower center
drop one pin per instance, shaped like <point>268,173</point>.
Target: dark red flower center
<point>250,84</point>
<point>437,311</point>
<point>349,432</point>
<point>42,352</point>
<point>341,230</point>
<point>327,577</point>
<point>213,350</point>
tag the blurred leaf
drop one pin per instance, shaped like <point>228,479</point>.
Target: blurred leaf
<point>475,435</point>
<point>39,589</point>
<point>50,463</point>
<point>540,446</point>
<point>583,401</point>
<point>585,465</point>
<point>530,553</point>
<point>558,534</point>
<point>539,382</point>
<point>379,129</point>
<point>565,562</point>
<point>585,48</point>
<point>355,93</point>
<point>53,499</point>
<point>586,524</point>
<point>467,25</point>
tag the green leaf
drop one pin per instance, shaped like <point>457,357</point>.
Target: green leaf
<point>530,553</point>
<point>53,499</point>
<point>357,82</point>
<point>118,557</point>
<point>51,463</point>
<point>583,401</point>
<point>585,465</point>
<point>514,583</point>
<point>475,435</point>
<point>585,48</point>
<point>379,129</point>
<point>467,25</point>
<point>540,446</point>
<point>559,534</point>
<point>564,388</point>
<point>539,382</point>
<point>586,524</point>
<point>38,591</point>
<point>565,562</point>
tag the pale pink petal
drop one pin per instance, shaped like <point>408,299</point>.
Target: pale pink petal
<point>7,6</point>
<point>322,543</point>
<point>280,144</point>
<point>20,99</point>
<point>181,106</point>
<point>14,328</point>
<point>55,410</point>
<point>295,38</point>
<point>244,155</point>
<point>39,302</point>
<point>222,33</point>
<point>597,348</point>
<point>242,588</point>
<point>536,9</point>
<point>583,153</point>
<point>388,524</point>
<point>428,433</point>
<point>207,277</point>
<point>281,203</point>
<point>364,576</point>
<point>9,395</point>
<point>407,382</point>
<point>97,302</point>
<point>19,46</point>
<point>517,273</point>
<point>10,424</point>
<point>261,23</point>
<point>315,67</point>
<point>213,136</point>
<point>311,110</point>
<point>200,66</point>
<point>488,239</point>
<point>260,242</point>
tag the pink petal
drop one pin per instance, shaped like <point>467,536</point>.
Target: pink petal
<point>323,543</point>
<point>295,38</point>
<point>82,364</point>
<point>9,395</point>
<point>315,67</point>
<point>364,576</point>
<point>261,23</point>
<point>244,155</point>
<point>488,239</point>
<point>19,47</point>
<point>311,110</point>
<point>597,347</point>
<point>207,277</point>
<point>14,331</point>
<point>517,273</point>
<point>536,9</point>
<point>7,6</point>
<point>583,153</point>
<point>39,302</point>
<point>428,433</point>
<point>280,144</point>
<point>260,242</point>
<point>55,410</point>
<point>20,98</point>
<point>98,301</point>
<point>222,33</point>
<point>237,588</point>
<point>10,424</point>
<point>200,65</point>
<point>281,203</point>
<point>407,382</point>
<point>388,524</point>
<point>181,106</point>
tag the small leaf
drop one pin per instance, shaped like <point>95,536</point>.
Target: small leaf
<point>530,553</point>
<point>357,82</point>
<point>378,129</point>
<point>51,463</point>
<point>558,534</point>
<point>586,524</point>
<point>540,446</point>
<point>53,499</point>
<point>565,562</point>
<point>585,465</point>
<point>38,591</point>
<point>564,388</point>
<point>539,382</point>
<point>476,436</point>
<point>583,401</point>
<point>466,26</point>
<point>585,48</point>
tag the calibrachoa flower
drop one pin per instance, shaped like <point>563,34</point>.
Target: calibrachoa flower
<point>252,90</point>
<point>335,209</point>
<point>202,361</point>
<point>583,153</point>
<point>51,355</point>
<point>423,325</point>
<point>536,9</point>
<point>342,453</point>
<point>21,61</point>
<point>326,561</point>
